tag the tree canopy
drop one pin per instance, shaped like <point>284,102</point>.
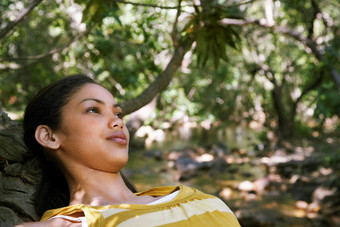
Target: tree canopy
<point>269,63</point>
<point>223,60</point>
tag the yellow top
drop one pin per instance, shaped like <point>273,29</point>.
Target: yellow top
<point>190,207</point>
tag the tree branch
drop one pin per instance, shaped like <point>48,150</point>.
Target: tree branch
<point>239,22</point>
<point>310,27</point>
<point>311,86</point>
<point>19,18</point>
<point>306,90</point>
<point>145,4</point>
<point>161,82</point>
<point>174,32</point>
<point>56,50</point>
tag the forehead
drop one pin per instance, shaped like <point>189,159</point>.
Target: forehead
<point>92,91</point>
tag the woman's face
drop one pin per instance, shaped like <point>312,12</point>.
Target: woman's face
<point>92,132</point>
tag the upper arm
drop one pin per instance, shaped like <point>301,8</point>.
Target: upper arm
<point>56,222</point>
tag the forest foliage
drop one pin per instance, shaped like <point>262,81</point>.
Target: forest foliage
<point>268,64</point>
<point>272,62</point>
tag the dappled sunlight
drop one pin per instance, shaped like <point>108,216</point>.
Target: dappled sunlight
<point>9,65</point>
<point>281,156</point>
<point>150,135</point>
<point>282,182</point>
<point>125,206</point>
<point>75,11</point>
<point>245,94</point>
<point>14,115</point>
<point>330,140</point>
<point>206,124</point>
<point>185,131</point>
<point>331,123</point>
<point>326,171</point>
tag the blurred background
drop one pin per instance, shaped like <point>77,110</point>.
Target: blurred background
<point>239,99</point>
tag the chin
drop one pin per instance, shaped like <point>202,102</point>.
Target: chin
<point>119,165</point>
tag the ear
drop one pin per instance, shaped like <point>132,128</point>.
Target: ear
<point>46,138</point>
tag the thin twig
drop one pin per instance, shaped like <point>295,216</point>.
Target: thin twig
<point>237,4</point>
<point>19,18</point>
<point>145,4</point>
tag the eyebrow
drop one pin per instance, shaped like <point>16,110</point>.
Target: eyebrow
<point>99,101</point>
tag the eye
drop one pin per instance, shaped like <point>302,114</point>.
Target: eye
<point>119,115</point>
<point>93,110</point>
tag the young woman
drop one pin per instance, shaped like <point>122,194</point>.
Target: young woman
<point>75,127</point>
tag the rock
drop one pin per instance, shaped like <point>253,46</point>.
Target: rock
<point>174,155</point>
<point>258,217</point>
<point>205,158</point>
<point>246,174</point>
<point>301,205</point>
<point>226,193</point>
<point>330,209</point>
<point>246,186</point>
<point>155,154</point>
<point>321,192</point>
<point>219,164</point>
<point>220,150</point>
<point>261,184</point>
<point>186,168</point>
<point>248,195</point>
<point>313,207</point>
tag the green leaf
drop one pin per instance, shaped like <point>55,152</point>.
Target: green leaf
<point>97,9</point>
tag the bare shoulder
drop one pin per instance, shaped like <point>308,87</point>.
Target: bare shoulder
<point>57,222</point>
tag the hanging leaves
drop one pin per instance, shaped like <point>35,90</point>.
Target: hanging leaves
<point>212,38</point>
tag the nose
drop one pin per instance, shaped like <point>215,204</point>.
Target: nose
<point>116,122</point>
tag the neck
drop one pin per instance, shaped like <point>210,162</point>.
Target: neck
<point>99,188</point>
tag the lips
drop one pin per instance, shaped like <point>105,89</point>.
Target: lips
<point>118,137</point>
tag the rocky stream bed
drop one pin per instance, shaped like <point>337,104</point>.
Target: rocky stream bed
<point>295,184</point>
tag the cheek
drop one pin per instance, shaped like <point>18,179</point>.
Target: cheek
<point>78,126</point>
<point>74,133</point>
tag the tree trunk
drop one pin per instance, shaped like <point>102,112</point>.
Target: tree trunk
<point>285,122</point>
<point>19,175</point>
